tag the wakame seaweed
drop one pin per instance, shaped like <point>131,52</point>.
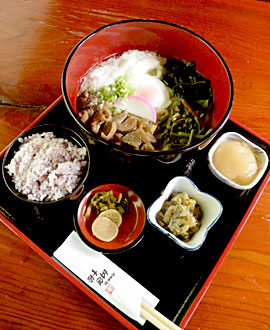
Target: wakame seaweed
<point>187,83</point>
<point>189,116</point>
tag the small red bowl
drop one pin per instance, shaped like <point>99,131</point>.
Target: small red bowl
<point>130,230</point>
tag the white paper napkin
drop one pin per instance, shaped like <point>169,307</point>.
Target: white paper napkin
<point>105,277</point>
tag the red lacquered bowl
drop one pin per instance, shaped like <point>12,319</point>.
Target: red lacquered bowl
<point>130,230</point>
<point>168,40</point>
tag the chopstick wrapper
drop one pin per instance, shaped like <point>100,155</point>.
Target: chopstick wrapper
<point>105,277</point>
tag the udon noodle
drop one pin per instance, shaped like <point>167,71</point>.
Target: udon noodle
<point>142,100</point>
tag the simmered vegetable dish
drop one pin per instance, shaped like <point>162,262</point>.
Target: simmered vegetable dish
<point>180,215</point>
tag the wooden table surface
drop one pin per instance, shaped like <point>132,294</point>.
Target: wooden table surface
<point>35,40</point>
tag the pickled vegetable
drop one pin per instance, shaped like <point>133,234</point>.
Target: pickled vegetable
<point>106,200</point>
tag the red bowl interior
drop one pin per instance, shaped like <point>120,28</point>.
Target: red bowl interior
<point>166,39</point>
<point>132,223</point>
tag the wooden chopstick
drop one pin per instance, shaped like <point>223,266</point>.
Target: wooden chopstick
<point>156,318</point>
<point>149,317</point>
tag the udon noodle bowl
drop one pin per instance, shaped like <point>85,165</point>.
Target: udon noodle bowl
<point>147,102</point>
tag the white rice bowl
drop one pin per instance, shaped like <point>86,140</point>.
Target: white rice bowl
<point>46,168</point>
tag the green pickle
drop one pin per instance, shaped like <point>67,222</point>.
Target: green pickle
<point>105,200</point>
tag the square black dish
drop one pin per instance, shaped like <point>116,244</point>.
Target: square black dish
<point>155,262</point>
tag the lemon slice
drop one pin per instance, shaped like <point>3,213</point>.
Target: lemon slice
<point>113,215</point>
<point>104,229</point>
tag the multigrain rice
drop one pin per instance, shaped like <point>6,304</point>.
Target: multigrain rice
<point>46,168</point>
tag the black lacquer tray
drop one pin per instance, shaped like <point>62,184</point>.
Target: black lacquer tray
<point>177,277</point>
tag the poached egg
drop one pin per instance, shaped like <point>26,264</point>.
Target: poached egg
<point>151,88</point>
